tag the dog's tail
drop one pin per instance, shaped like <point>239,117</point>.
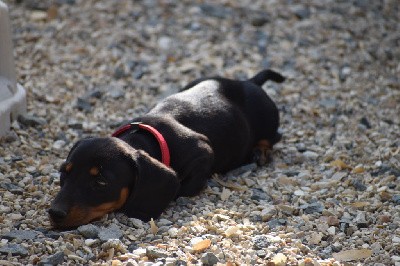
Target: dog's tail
<point>265,75</point>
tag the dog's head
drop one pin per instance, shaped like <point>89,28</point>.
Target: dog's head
<point>102,175</point>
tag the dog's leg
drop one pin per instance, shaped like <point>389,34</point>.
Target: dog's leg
<point>262,152</point>
<point>196,179</point>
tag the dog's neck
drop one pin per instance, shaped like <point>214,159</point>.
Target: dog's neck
<point>144,137</point>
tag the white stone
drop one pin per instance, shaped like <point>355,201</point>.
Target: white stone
<point>195,240</point>
<point>299,192</point>
<point>396,239</point>
<point>331,230</point>
<point>141,252</point>
<point>165,42</point>
<point>173,232</point>
<point>90,242</point>
<point>58,144</point>
<point>311,155</point>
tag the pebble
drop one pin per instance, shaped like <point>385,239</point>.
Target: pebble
<point>116,93</point>
<point>376,247</point>
<point>200,246</point>
<point>301,147</point>
<point>83,105</point>
<point>173,232</point>
<point>165,43</point>
<point>259,194</point>
<point>338,176</point>
<point>195,240</point>
<point>21,235</point>
<point>209,259</point>
<point>299,193</point>
<point>136,223</point>
<point>154,252</point>
<point>260,242</point>
<point>302,12</point>
<point>14,249</point>
<point>89,230</point>
<point>384,219</point>
<point>112,232</point>
<point>114,244</point>
<point>261,253</point>
<point>38,15</point>
<point>91,242</point>
<point>184,201</point>
<point>331,230</point>
<point>277,222</point>
<point>268,212</point>
<point>396,199</point>
<point>12,188</point>
<point>287,209</point>
<point>75,124</point>
<point>54,235</point>
<point>169,261</point>
<point>55,259</point>
<point>164,222</point>
<point>344,73</point>
<point>279,259</point>
<point>259,20</point>
<point>16,216</point>
<point>360,220</point>
<point>336,247</point>
<point>31,121</point>
<point>119,73</point>
<point>358,185</point>
<point>93,93</point>
<point>215,10</point>
<point>333,221</point>
<point>364,121</point>
<point>140,252</point>
<point>58,144</point>
<point>310,155</point>
<point>385,196</point>
<point>329,104</point>
<point>316,207</point>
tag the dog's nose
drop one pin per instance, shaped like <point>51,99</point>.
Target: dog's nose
<point>57,214</point>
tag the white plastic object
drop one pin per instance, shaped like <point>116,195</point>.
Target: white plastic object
<point>12,94</point>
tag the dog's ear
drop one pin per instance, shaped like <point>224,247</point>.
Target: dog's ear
<point>77,144</point>
<point>155,187</point>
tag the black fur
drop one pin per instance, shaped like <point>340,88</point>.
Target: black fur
<point>211,126</point>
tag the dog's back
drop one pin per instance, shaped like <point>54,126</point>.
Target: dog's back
<point>204,109</point>
<point>234,115</point>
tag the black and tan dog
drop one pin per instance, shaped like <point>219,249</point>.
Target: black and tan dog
<point>212,126</point>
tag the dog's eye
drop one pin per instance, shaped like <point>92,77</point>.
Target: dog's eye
<point>99,182</point>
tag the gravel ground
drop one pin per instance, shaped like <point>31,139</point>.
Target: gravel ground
<point>330,197</point>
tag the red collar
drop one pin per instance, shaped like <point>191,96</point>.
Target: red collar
<point>161,141</point>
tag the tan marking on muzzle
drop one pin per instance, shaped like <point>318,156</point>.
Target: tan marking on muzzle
<point>80,215</point>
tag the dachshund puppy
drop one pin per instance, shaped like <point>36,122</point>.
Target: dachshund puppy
<point>212,126</point>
